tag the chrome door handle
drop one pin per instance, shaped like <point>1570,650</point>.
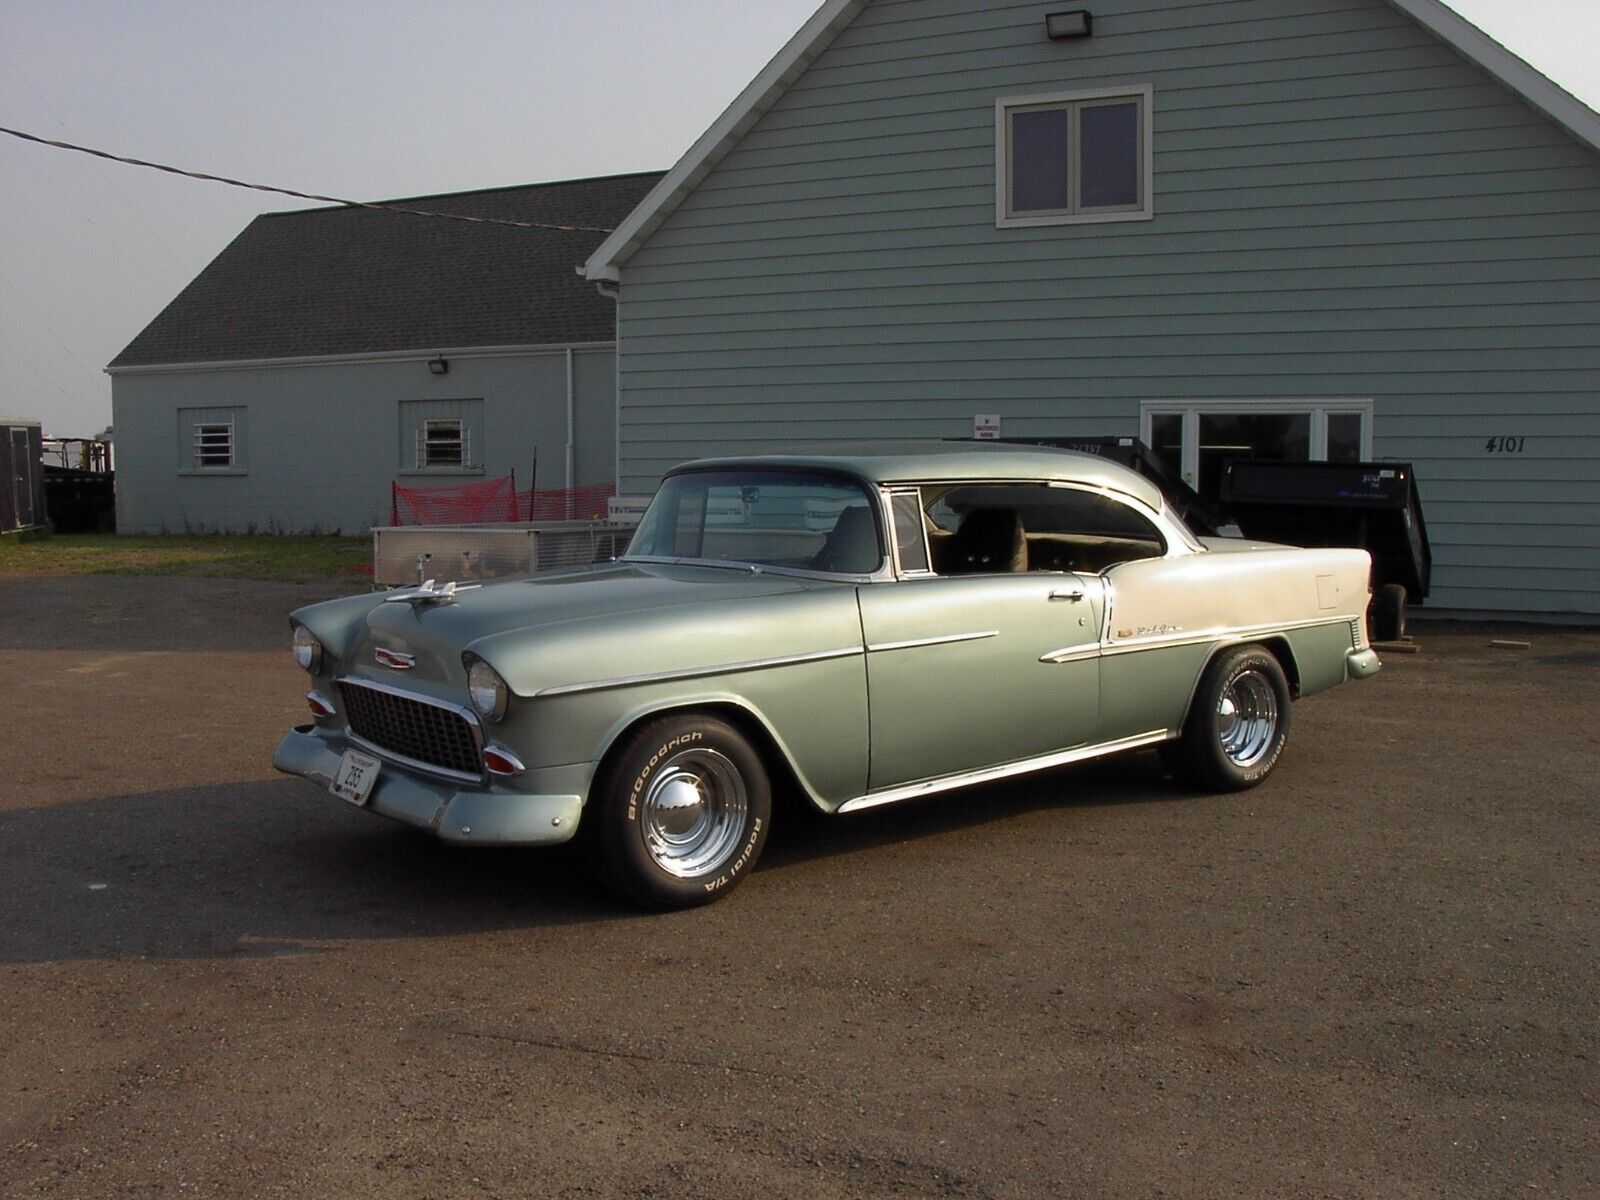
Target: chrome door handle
<point>1074,595</point>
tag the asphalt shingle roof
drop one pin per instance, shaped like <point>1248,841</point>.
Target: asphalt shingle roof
<point>350,281</point>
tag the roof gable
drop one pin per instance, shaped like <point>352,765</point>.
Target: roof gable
<point>825,25</point>
<point>341,281</point>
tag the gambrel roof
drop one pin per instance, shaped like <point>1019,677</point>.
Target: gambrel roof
<point>1566,110</point>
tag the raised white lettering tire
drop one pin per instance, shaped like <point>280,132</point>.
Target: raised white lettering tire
<point>681,810</point>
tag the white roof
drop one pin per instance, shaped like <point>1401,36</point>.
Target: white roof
<point>1566,110</point>
<point>20,421</point>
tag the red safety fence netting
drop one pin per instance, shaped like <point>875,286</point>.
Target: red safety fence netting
<point>567,504</point>
<point>495,501</point>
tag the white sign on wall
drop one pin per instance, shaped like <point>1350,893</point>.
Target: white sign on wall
<point>986,427</point>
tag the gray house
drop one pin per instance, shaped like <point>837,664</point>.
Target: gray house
<point>329,353</point>
<point>1317,229</point>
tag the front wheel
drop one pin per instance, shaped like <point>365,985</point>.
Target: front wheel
<point>1237,723</point>
<point>682,809</point>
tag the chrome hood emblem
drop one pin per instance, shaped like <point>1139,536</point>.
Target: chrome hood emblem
<point>394,659</point>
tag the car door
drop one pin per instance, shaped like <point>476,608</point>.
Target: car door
<point>972,671</point>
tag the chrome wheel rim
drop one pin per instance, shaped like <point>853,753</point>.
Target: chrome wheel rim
<point>1247,718</point>
<point>694,813</point>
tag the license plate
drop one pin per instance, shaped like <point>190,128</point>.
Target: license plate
<point>354,779</point>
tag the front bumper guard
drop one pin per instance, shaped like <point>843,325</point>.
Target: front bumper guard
<point>491,816</point>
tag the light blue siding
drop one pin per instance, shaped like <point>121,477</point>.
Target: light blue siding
<point>1345,207</point>
<point>319,445</point>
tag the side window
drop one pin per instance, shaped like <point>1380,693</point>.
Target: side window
<point>910,533</point>
<point>211,440</point>
<point>441,435</point>
<point>993,528</point>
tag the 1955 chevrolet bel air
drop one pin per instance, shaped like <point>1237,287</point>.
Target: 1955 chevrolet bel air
<point>857,628</point>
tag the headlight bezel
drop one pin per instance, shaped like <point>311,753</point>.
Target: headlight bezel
<point>486,690</point>
<point>307,649</point>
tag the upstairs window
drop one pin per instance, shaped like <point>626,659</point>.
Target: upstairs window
<point>1073,157</point>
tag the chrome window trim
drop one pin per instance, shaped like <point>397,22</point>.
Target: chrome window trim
<point>402,760</point>
<point>733,668</point>
<point>1058,758</point>
<point>887,496</point>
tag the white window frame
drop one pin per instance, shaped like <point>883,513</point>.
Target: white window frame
<point>1191,410</point>
<point>1004,218</point>
<point>425,444</point>
<point>200,430</point>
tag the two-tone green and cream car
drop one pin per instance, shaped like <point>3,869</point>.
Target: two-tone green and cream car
<point>858,628</point>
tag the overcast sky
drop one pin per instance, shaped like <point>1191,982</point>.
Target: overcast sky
<point>368,99</point>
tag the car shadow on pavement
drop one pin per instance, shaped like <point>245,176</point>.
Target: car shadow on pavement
<point>272,868</point>
<point>800,834</point>
<point>258,869</point>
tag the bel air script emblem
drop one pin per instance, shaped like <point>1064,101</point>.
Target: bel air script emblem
<point>394,659</point>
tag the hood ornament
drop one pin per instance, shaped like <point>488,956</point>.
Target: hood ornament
<point>426,593</point>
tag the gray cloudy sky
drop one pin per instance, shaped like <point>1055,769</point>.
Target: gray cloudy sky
<point>368,99</point>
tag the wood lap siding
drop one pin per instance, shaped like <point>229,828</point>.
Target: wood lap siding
<point>1344,208</point>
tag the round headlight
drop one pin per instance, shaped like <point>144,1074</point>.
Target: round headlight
<point>307,650</point>
<point>487,690</point>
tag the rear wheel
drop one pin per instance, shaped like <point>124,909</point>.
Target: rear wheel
<point>682,810</point>
<point>1237,723</point>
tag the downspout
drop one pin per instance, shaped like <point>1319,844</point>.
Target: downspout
<point>570,443</point>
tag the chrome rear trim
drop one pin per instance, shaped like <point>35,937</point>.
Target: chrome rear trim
<point>945,783</point>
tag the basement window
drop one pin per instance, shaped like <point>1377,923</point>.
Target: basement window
<point>1073,157</point>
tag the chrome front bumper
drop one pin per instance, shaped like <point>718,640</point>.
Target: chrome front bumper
<point>491,816</point>
<point>1363,664</point>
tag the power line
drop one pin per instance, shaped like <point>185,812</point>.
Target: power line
<point>264,187</point>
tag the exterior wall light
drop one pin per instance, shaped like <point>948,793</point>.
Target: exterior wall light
<point>1063,25</point>
<point>438,366</point>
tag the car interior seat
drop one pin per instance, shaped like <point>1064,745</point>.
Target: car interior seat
<point>988,540</point>
<point>851,546</point>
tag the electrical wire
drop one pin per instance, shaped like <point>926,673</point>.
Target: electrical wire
<point>264,187</point>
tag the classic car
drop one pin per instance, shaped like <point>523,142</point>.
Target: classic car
<point>854,628</point>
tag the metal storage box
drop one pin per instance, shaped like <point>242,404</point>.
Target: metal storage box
<point>407,554</point>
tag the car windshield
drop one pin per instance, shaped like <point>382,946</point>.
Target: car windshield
<point>799,520</point>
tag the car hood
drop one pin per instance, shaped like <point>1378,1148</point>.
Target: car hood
<point>510,614</point>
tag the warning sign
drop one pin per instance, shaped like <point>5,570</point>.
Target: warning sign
<point>986,427</point>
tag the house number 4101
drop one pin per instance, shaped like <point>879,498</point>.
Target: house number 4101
<point>1504,445</point>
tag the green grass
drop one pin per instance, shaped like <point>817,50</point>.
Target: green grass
<point>217,556</point>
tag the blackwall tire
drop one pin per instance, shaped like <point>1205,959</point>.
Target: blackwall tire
<point>1237,724</point>
<point>681,812</point>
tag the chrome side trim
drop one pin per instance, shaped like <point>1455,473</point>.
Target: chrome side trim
<point>1167,641</point>
<point>945,783</point>
<point>941,640</point>
<point>1069,654</point>
<point>1219,633</point>
<point>733,668</point>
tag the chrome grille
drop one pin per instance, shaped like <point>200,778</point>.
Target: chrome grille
<point>424,731</point>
